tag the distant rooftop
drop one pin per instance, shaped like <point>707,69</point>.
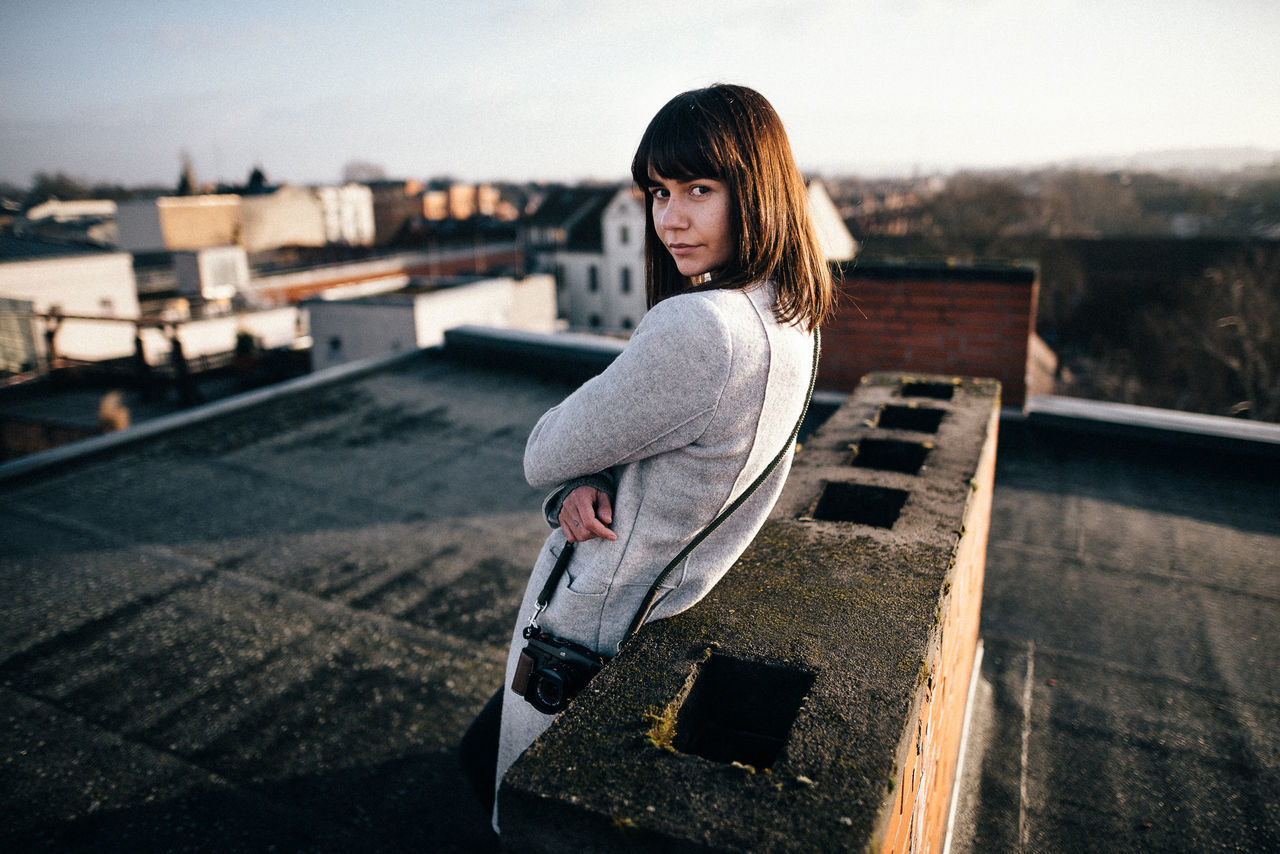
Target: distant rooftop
<point>576,211</point>
<point>32,249</point>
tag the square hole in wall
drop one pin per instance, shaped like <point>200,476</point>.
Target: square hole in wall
<point>937,391</point>
<point>877,506</point>
<point>921,419</point>
<point>890,455</point>
<point>740,711</point>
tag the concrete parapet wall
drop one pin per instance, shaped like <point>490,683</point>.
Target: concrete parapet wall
<point>814,700</point>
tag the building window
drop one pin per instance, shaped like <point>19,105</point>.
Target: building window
<point>626,323</point>
<point>623,235</point>
<point>626,280</point>
<point>593,279</point>
<point>594,320</point>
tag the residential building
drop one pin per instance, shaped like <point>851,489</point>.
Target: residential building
<point>565,237</point>
<point>394,204</point>
<point>288,216</point>
<point>347,214</point>
<point>348,330</point>
<point>291,216</point>
<point>443,199</point>
<point>64,301</point>
<point>178,222</point>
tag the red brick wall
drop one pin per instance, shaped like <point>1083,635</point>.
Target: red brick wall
<point>971,321</point>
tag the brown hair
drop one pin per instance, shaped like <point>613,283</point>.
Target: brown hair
<point>732,134</point>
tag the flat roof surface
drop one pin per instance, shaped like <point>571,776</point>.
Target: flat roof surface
<point>1131,627</point>
<point>272,628</point>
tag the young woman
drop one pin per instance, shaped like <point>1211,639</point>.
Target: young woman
<point>640,458</point>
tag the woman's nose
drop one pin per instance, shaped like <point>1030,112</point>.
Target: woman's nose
<point>672,215</point>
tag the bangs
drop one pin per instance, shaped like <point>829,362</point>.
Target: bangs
<point>680,144</point>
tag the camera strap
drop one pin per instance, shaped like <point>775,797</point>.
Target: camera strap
<point>553,581</point>
<point>651,598</point>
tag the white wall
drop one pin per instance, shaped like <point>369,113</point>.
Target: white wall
<point>350,330</point>
<point>214,273</point>
<point>607,308</point>
<point>348,214</point>
<point>833,234</point>
<point>92,285</point>
<point>291,216</point>
<point>578,302</point>
<point>623,224</point>
<point>273,328</point>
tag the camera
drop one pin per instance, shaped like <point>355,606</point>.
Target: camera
<point>552,670</point>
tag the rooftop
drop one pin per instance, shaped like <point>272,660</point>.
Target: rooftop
<point>34,249</point>
<point>268,621</point>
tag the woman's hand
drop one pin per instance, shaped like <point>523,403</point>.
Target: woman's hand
<point>586,514</point>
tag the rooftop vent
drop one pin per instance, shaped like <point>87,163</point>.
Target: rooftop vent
<point>919,419</point>
<point>890,455</point>
<point>876,506</point>
<point>740,711</point>
<point>937,391</point>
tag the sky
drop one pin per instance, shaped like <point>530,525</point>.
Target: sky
<point>489,90</point>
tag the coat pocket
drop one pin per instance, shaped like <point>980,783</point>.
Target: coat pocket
<point>584,583</point>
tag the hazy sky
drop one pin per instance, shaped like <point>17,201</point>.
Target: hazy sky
<point>562,89</point>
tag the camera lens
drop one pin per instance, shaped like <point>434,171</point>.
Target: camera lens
<point>549,690</point>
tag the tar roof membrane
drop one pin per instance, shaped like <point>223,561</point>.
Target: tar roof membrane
<point>271,628</point>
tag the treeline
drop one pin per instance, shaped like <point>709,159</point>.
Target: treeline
<point>993,213</point>
<point>1158,290</point>
<point>59,185</point>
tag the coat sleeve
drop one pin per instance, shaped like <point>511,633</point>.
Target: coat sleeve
<point>658,395</point>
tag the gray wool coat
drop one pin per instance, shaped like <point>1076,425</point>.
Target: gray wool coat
<point>698,404</point>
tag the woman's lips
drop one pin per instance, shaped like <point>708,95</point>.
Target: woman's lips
<point>681,248</point>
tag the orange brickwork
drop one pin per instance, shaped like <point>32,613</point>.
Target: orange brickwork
<point>917,822</point>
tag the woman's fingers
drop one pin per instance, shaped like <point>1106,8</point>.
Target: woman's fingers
<point>604,508</point>
<point>586,514</point>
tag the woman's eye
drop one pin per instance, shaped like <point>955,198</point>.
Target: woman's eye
<point>700,190</point>
<point>659,192</point>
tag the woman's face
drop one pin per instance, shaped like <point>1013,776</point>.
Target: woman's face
<point>692,220</point>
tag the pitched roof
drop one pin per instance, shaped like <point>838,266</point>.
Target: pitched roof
<point>576,211</point>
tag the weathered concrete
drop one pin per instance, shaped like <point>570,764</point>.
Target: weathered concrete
<point>824,634</point>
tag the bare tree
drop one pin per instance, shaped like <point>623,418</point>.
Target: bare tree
<point>362,172</point>
<point>1226,337</point>
<point>187,178</point>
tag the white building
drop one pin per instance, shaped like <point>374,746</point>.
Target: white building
<point>92,293</point>
<point>349,330</point>
<point>622,300</point>
<point>347,213</point>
